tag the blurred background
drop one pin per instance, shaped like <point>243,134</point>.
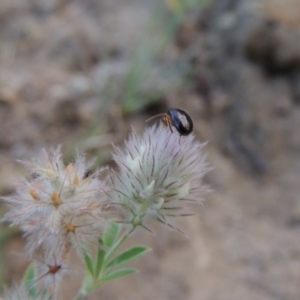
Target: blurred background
<point>81,72</point>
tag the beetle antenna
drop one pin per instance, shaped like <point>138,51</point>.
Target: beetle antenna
<point>156,116</point>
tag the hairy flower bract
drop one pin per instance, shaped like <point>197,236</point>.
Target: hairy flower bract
<point>159,176</point>
<point>59,206</point>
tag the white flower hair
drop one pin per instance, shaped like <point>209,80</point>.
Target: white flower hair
<point>21,293</point>
<point>59,206</point>
<point>159,175</point>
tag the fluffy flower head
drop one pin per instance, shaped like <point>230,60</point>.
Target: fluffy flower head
<point>160,174</point>
<point>59,205</point>
<point>21,293</point>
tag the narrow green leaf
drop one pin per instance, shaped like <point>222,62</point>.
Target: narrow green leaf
<point>28,280</point>
<point>44,294</point>
<point>118,274</point>
<point>100,260</point>
<point>111,234</point>
<point>127,256</point>
<point>89,263</point>
<point>116,246</point>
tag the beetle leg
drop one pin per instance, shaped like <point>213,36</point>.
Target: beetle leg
<point>156,116</point>
<point>168,122</point>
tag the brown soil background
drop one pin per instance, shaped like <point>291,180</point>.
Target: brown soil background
<point>64,80</point>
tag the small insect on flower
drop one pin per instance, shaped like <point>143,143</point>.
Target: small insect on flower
<point>177,118</point>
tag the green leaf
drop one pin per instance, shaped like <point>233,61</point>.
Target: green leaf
<point>116,246</point>
<point>111,234</point>
<point>127,256</point>
<point>28,280</point>
<point>118,274</point>
<point>89,263</point>
<point>100,260</point>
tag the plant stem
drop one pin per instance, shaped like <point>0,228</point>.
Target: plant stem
<point>89,286</point>
<point>116,246</point>
<point>80,295</point>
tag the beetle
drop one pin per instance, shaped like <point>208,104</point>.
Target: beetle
<point>177,118</point>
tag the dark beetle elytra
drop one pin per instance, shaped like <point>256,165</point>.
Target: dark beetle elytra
<point>177,118</point>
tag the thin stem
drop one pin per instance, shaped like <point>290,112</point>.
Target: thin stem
<point>81,294</point>
<point>116,246</point>
<point>85,289</point>
<point>89,284</point>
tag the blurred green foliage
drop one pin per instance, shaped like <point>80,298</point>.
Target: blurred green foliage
<point>161,30</point>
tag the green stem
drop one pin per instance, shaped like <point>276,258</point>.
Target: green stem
<point>85,288</point>
<point>81,295</point>
<point>89,286</point>
<point>116,246</point>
